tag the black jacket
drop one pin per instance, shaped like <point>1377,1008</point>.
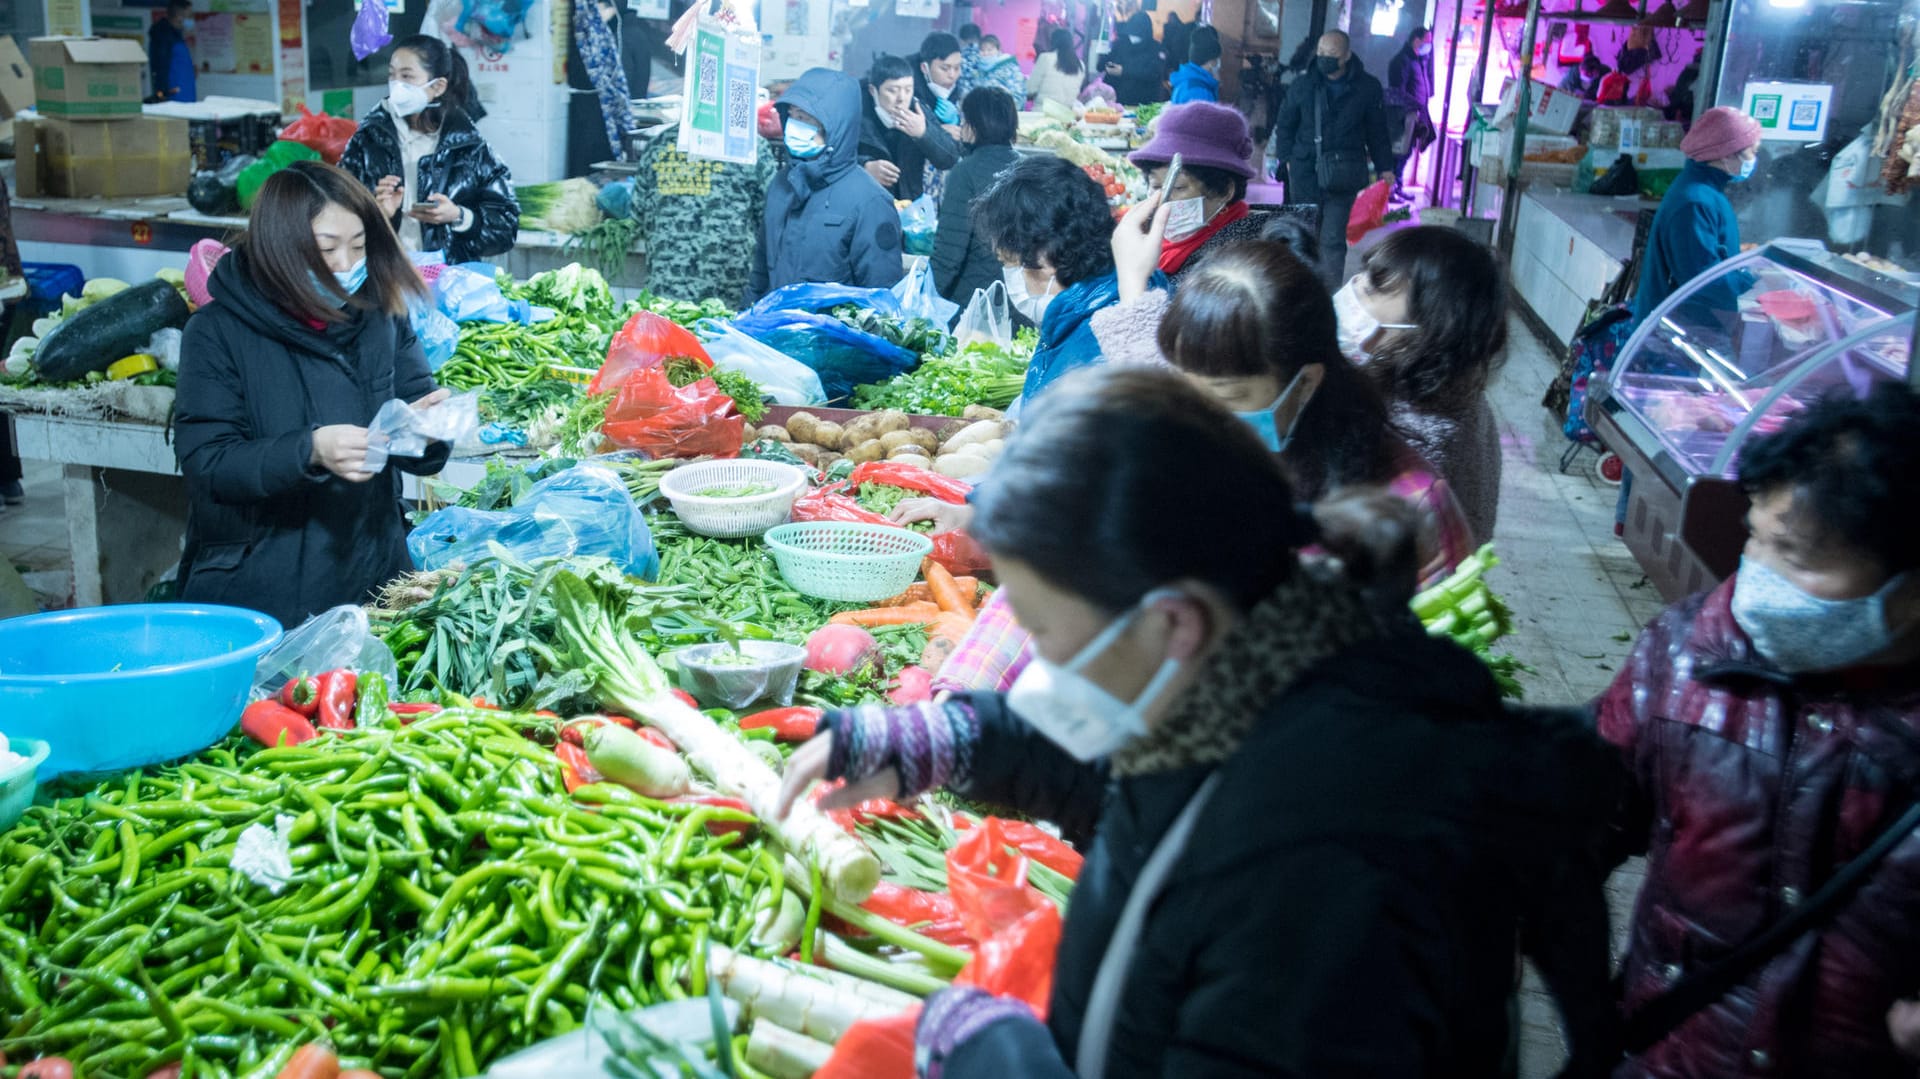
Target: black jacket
<point>264,528</point>
<point>963,260</point>
<point>827,220</point>
<point>1354,894</point>
<point>462,167</point>
<point>878,142</point>
<point>1356,121</point>
<point>1143,64</point>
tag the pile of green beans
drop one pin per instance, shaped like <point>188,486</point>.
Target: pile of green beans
<point>450,904</point>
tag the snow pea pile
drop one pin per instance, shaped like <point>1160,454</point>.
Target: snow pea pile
<point>448,904</point>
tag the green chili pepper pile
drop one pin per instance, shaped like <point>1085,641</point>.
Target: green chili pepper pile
<point>449,904</point>
<point>508,354</point>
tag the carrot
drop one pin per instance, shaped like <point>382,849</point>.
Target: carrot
<point>946,591</point>
<point>888,616</point>
<point>360,1073</point>
<point>918,592</point>
<point>312,1062</point>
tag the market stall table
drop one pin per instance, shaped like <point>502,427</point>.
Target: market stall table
<point>1566,250</point>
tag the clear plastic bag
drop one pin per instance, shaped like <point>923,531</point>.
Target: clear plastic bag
<point>772,676</point>
<point>439,335</point>
<point>331,640</point>
<point>583,511</point>
<point>400,430</point>
<point>918,296</point>
<point>786,380</point>
<point>919,220</point>
<point>586,1052</point>
<point>987,318</point>
<point>164,347</point>
<point>465,296</point>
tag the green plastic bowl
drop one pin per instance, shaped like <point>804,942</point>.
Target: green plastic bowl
<point>19,780</point>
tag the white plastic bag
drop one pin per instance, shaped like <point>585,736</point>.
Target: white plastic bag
<point>987,318</point>
<point>919,298</point>
<point>329,641</point>
<point>164,346</point>
<point>786,380</point>
<point>400,430</point>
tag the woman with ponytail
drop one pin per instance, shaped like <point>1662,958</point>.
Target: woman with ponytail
<point>1309,828</point>
<point>435,178</point>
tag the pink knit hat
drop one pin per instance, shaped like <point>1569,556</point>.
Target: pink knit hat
<point>1720,133</point>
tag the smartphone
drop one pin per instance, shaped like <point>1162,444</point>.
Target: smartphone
<point>425,205</point>
<point>1166,182</point>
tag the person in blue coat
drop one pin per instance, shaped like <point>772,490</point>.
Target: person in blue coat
<point>169,61</point>
<point>827,220</point>
<point>1696,226</point>
<point>1051,226</point>
<point>1199,78</point>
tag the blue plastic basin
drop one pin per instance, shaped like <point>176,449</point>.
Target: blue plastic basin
<point>111,688</point>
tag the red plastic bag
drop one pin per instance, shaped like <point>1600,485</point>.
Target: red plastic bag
<point>646,341</point>
<point>933,914</point>
<point>649,415</point>
<point>957,551</point>
<point>911,477</point>
<point>874,1049</point>
<point>1017,927</point>
<point>828,504</point>
<point>1369,210</point>
<point>324,135</point>
<point>1029,840</point>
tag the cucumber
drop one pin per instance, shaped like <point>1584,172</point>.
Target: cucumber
<point>92,339</point>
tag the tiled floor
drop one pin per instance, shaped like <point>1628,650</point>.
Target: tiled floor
<point>1577,596</point>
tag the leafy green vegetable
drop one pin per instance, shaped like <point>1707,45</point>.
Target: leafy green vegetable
<point>916,335</point>
<point>982,373</point>
<point>748,397</point>
<point>607,244</point>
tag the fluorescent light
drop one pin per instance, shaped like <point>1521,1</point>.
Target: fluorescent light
<point>1386,19</point>
<point>1791,5</point>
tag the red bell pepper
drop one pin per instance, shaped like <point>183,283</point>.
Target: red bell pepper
<point>796,724</point>
<point>271,723</point>
<point>338,694</point>
<point>575,769</point>
<point>301,694</point>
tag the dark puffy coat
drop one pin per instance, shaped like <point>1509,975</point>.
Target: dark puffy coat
<point>266,529</point>
<point>1409,79</point>
<point>963,260</point>
<point>1356,121</point>
<point>911,156</point>
<point>1350,903</point>
<point>827,220</point>
<point>462,167</point>
<point>1143,64</point>
<point>1752,788</point>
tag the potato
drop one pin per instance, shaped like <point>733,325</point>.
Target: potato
<point>775,432</point>
<point>749,434</point>
<point>914,458</point>
<point>980,432</point>
<point>949,429</point>
<point>861,430</point>
<point>916,437</point>
<point>891,420</point>
<point>961,466</point>
<point>802,425</point>
<point>870,450</point>
<point>831,435</point>
<point>982,412</point>
<point>807,452</point>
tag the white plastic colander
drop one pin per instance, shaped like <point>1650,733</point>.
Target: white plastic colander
<point>852,563</point>
<point>689,488</point>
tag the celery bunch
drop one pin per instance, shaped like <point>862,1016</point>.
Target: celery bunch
<point>1465,610</point>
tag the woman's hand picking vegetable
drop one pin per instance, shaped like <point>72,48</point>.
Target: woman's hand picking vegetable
<point>341,448</point>
<point>809,766</point>
<point>1136,245</point>
<point>946,516</point>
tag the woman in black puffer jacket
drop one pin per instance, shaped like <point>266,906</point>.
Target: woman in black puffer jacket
<point>435,178</point>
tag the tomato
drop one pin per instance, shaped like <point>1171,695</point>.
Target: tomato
<point>48,1068</point>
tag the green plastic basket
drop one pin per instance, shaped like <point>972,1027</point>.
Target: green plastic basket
<point>851,563</point>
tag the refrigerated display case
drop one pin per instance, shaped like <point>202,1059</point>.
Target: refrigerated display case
<point>1733,354</point>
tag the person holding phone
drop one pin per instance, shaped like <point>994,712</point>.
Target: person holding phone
<point>431,173</point>
<point>901,130</point>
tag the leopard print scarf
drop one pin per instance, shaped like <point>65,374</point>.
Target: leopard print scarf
<point>1305,620</point>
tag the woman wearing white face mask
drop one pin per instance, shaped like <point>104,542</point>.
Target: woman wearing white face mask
<point>1208,203</point>
<point>1426,318</point>
<point>1770,728</point>
<point>1223,718</point>
<point>436,179</point>
<point>306,338</point>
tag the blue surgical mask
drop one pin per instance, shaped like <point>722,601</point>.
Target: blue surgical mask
<point>1267,426</point>
<point>1746,168</point>
<point>1801,632</point>
<point>352,279</point>
<point>804,140</point>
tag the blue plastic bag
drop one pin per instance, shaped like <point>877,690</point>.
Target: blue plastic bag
<point>842,356</point>
<point>616,199</point>
<point>465,296</point>
<point>786,380</point>
<point>369,34</point>
<point>814,296</point>
<point>438,334</point>
<point>583,511</point>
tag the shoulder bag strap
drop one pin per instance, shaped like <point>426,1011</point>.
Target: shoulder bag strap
<point>1319,120</point>
<point>1661,1015</point>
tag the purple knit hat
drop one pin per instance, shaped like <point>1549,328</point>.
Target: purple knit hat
<point>1202,133</point>
<point>1720,133</point>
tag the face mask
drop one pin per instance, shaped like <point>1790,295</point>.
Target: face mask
<point>1185,217</point>
<point>1329,65</point>
<point>1266,424</point>
<point>1073,710</point>
<point>1746,168</point>
<point>1424,50</point>
<point>326,294</point>
<point>352,279</point>
<point>1799,632</point>
<point>939,91</point>
<point>804,140</point>
<point>1357,324</point>
<point>187,26</point>
<point>1023,301</point>
<point>406,99</point>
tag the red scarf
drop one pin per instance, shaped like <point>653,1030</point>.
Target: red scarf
<point>1175,253</point>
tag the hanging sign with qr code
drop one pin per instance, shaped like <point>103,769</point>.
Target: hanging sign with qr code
<point>719,103</point>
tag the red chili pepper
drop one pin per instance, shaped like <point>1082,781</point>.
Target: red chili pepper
<point>686,698</point>
<point>657,738</point>
<point>49,1067</point>
<point>301,694</point>
<point>483,703</point>
<point>338,692</point>
<point>413,708</point>
<point>270,723</point>
<point>546,714</point>
<point>575,769</point>
<point>796,724</point>
<point>624,722</point>
<point>717,827</point>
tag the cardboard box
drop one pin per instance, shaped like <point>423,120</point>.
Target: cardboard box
<point>123,158</point>
<point>16,79</point>
<point>1550,111</point>
<point>87,78</point>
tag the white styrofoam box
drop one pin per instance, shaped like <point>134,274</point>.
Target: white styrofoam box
<point>1551,111</point>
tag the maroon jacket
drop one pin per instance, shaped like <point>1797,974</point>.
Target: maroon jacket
<point>1752,789</point>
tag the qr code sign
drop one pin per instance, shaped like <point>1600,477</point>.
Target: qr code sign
<point>739,105</point>
<point>709,80</point>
